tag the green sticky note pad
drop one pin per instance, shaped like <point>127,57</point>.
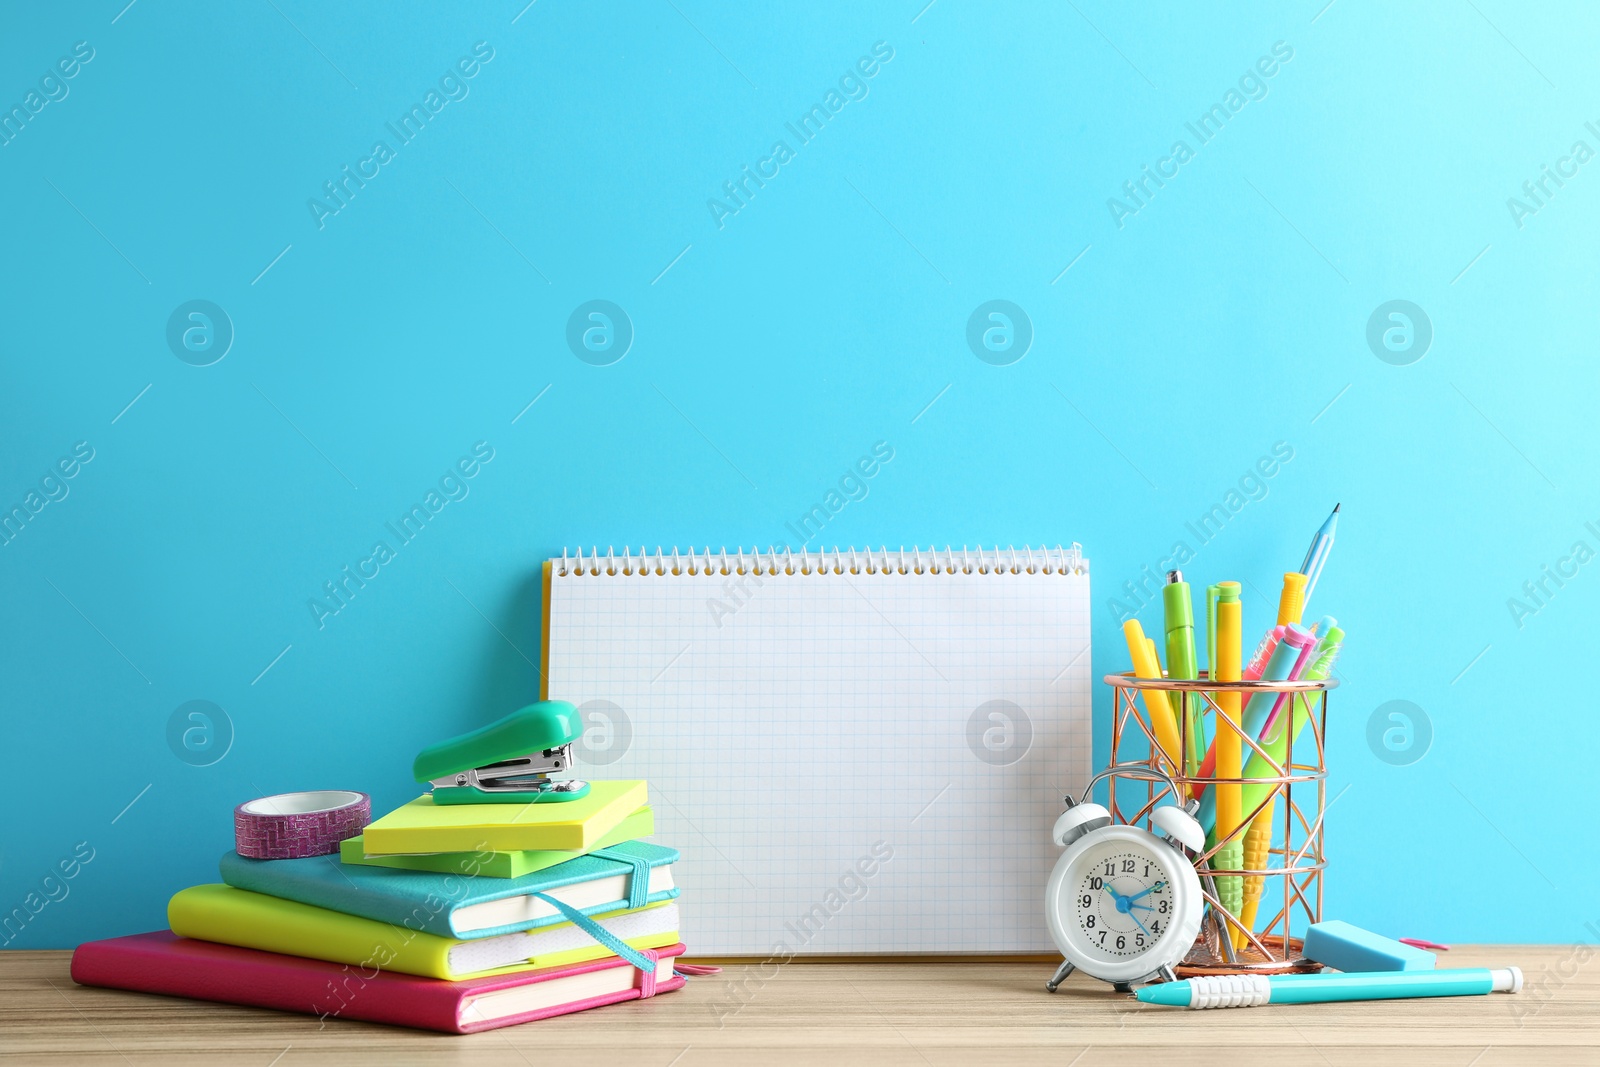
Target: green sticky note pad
<point>641,823</point>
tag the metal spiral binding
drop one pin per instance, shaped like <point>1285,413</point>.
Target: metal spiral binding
<point>996,560</point>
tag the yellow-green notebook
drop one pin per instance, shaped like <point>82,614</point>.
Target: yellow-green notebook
<point>568,826</point>
<point>253,920</point>
<point>485,863</point>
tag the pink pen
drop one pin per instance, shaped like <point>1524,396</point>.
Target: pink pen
<point>1274,642</point>
<point>1258,662</point>
<point>1300,665</point>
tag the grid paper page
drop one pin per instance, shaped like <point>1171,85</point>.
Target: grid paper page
<point>849,763</point>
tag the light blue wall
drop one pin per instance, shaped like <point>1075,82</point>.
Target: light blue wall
<point>1227,315</point>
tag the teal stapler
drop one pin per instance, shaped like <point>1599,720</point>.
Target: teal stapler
<point>507,762</point>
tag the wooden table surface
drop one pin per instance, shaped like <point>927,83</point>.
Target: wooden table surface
<point>840,1014</point>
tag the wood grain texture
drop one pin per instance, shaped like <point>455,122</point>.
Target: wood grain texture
<point>840,1015</point>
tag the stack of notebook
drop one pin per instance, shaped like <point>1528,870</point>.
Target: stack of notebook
<point>446,917</point>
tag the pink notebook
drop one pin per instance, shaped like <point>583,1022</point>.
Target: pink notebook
<point>163,962</point>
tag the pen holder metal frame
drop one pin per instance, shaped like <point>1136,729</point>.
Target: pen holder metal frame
<point>1292,875</point>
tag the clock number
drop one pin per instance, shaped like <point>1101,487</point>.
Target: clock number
<point>1160,904</point>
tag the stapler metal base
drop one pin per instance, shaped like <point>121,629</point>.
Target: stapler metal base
<point>507,762</point>
<point>520,780</point>
<point>543,791</point>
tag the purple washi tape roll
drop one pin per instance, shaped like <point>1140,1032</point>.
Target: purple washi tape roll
<point>291,826</point>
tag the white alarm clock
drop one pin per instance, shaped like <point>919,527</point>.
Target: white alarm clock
<point>1124,904</point>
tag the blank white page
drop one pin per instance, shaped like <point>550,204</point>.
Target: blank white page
<point>848,762</point>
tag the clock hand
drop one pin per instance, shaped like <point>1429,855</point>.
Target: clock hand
<point>1135,918</point>
<point>1152,889</point>
<point>1141,907</point>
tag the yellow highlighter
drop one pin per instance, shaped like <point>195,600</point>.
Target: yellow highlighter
<point>1156,705</point>
<point>1169,699</point>
<point>1258,839</point>
<point>1230,748</point>
<point>1292,601</point>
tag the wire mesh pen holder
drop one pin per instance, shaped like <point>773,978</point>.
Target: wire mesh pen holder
<point>1291,798</point>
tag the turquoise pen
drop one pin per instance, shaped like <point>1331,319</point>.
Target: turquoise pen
<point>1250,990</point>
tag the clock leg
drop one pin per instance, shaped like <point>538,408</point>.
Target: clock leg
<point>1060,976</point>
<point>1166,973</point>
<point>1122,987</point>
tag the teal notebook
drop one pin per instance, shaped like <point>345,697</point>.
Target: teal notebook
<point>630,875</point>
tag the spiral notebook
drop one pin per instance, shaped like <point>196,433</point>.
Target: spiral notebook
<point>856,752</point>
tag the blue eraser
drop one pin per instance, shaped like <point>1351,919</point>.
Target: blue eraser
<point>1349,948</point>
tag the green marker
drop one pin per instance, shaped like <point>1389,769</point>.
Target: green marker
<point>1282,732</point>
<point>1179,615</point>
<point>1213,593</point>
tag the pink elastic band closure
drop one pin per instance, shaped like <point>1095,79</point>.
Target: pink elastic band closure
<point>647,978</point>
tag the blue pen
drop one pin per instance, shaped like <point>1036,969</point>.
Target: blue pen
<point>1250,990</point>
<point>1280,668</point>
<point>1321,545</point>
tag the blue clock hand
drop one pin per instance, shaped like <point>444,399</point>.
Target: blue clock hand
<point>1141,907</point>
<point>1147,892</point>
<point>1135,918</point>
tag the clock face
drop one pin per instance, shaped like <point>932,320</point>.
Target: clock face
<point>1123,900</point>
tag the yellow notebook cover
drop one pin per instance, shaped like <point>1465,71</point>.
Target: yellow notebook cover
<point>253,920</point>
<point>568,826</point>
<point>488,864</point>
